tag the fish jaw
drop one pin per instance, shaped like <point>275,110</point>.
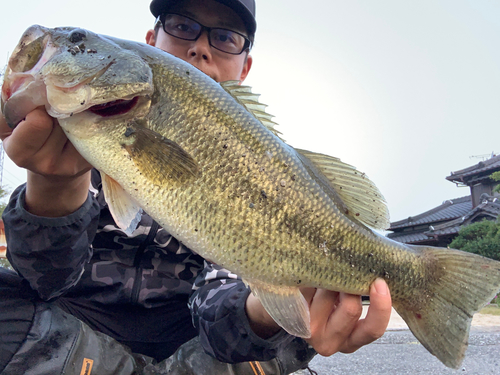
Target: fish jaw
<point>22,86</point>
<point>69,71</point>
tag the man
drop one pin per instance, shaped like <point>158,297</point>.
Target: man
<point>82,283</point>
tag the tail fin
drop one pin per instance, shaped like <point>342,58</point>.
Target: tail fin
<point>466,282</point>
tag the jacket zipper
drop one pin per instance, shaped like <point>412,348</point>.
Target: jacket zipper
<point>136,288</point>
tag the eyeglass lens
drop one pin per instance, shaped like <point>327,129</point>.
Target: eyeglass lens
<point>188,29</point>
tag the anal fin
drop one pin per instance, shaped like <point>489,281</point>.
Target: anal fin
<point>287,307</point>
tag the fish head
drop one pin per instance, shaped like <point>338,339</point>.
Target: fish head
<point>73,71</point>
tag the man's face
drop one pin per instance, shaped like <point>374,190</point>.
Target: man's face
<point>219,65</point>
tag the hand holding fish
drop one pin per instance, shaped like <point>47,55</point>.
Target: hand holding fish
<point>335,323</point>
<point>56,171</point>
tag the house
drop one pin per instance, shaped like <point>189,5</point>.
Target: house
<point>438,226</point>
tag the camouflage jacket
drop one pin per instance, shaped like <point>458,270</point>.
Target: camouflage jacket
<point>85,256</point>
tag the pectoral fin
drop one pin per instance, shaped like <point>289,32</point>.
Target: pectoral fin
<point>287,307</point>
<point>124,209</point>
<point>159,159</point>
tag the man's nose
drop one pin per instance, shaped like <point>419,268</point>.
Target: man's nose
<point>201,47</point>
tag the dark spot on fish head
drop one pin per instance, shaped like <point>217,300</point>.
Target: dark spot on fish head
<point>77,36</point>
<point>129,132</point>
<point>264,195</point>
<point>418,316</point>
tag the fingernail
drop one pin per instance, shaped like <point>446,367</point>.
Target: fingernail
<point>381,287</point>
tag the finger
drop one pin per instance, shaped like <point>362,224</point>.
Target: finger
<point>322,304</point>
<point>375,323</point>
<point>28,136</point>
<point>71,163</point>
<point>345,316</point>
<point>40,145</point>
<point>333,320</point>
<point>51,156</point>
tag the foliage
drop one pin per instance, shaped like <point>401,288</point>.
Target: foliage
<point>3,193</point>
<point>496,177</point>
<point>496,301</point>
<point>490,309</point>
<point>5,263</point>
<point>481,238</point>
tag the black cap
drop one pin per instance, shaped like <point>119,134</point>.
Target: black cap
<point>244,8</point>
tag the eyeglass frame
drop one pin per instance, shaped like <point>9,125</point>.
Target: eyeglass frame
<point>247,45</point>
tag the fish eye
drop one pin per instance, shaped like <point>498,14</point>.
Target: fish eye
<point>77,36</point>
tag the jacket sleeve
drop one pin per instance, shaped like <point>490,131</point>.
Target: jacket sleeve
<point>50,253</point>
<point>218,309</point>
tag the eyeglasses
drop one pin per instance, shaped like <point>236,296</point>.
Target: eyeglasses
<point>185,28</point>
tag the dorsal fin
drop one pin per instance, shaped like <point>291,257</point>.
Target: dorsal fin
<point>359,195</point>
<point>245,96</point>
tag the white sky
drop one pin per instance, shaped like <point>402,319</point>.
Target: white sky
<point>406,91</point>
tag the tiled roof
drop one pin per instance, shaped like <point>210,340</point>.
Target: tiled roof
<point>408,238</point>
<point>449,210</point>
<point>489,207</point>
<point>445,231</point>
<point>492,208</point>
<point>482,167</point>
<point>450,227</point>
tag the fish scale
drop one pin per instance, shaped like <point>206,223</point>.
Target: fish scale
<point>205,161</point>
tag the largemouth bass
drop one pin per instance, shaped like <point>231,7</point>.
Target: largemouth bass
<point>204,160</point>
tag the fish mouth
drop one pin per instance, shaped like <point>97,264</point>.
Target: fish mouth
<point>115,107</point>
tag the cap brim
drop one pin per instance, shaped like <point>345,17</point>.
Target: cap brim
<point>158,7</point>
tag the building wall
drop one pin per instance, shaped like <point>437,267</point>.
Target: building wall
<point>479,189</point>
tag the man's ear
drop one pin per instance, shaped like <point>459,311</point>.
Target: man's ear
<point>246,68</point>
<point>151,37</point>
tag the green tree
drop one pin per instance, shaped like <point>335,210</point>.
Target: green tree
<point>3,193</point>
<point>496,177</point>
<point>481,238</point>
